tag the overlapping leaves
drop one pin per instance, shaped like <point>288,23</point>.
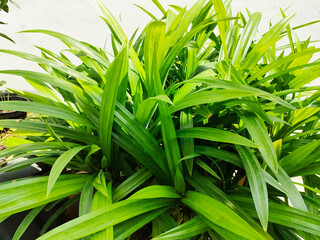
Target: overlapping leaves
<point>187,133</point>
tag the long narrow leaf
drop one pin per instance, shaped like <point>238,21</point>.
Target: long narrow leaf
<point>105,218</point>
<point>285,215</point>
<point>259,134</point>
<point>74,43</point>
<point>220,214</point>
<point>46,109</point>
<point>188,229</point>
<point>258,186</point>
<point>32,192</point>
<point>213,134</point>
<point>126,228</point>
<point>26,222</point>
<point>116,72</point>
<point>130,184</point>
<point>60,164</point>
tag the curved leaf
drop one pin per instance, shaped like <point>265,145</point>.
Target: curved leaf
<point>216,135</point>
<point>115,74</point>
<point>260,136</point>
<point>258,186</point>
<point>285,215</point>
<point>51,110</point>
<point>105,218</point>
<point>60,164</point>
<point>191,228</point>
<point>205,97</point>
<point>30,193</point>
<point>219,214</point>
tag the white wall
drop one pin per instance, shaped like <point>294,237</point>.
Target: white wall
<point>80,19</point>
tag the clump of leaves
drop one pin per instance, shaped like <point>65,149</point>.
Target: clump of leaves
<point>192,131</point>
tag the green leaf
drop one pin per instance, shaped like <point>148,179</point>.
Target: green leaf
<point>130,184</point>
<point>247,36</point>
<point>204,97</point>
<point>105,218</point>
<point>308,75</point>
<point>115,74</point>
<point>207,168</point>
<point>219,214</point>
<point>146,107</point>
<point>308,187</point>
<point>126,228</point>
<point>154,54</point>
<point>205,186</point>
<point>50,63</point>
<point>88,159</point>
<point>10,141</point>
<point>265,43</point>
<point>175,35</point>
<point>60,164</point>
<point>37,126</point>
<point>63,60</point>
<point>311,169</point>
<point>292,161</point>
<point>54,81</point>
<point>163,223</point>
<point>257,182</point>
<point>291,190</point>
<point>187,144</point>
<point>260,136</point>
<point>169,138</point>
<point>216,135</point>
<point>285,215</point>
<point>51,110</point>
<point>19,149</point>
<point>147,12</point>
<point>156,191</point>
<point>279,62</point>
<point>6,37</point>
<point>220,83</point>
<point>32,192</point>
<point>153,50</point>
<point>156,2</point>
<point>55,136</point>
<point>26,222</point>
<point>219,154</point>
<point>222,25</point>
<point>176,48</point>
<point>142,136</point>
<point>74,43</point>
<point>21,164</point>
<point>191,228</point>
<point>140,154</point>
<point>304,114</point>
<point>100,184</point>
<point>179,182</point>
<point>86,196</point>
<point>71,201</point>
<point>101,201</point>
<point>222,233</point>
<point>113,25</point>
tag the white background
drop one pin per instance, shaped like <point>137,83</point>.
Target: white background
<point>80,19</point>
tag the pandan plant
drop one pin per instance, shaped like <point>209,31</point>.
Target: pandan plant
<point>192,129</point>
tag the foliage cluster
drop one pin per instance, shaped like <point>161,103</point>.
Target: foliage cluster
<point>192,129</point>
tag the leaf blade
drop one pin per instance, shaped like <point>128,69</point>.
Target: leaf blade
<point>213,134</point>
<point>258,186</point>
<point>219,214</point>
<point>60,164</point>
<point>260,136</point>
